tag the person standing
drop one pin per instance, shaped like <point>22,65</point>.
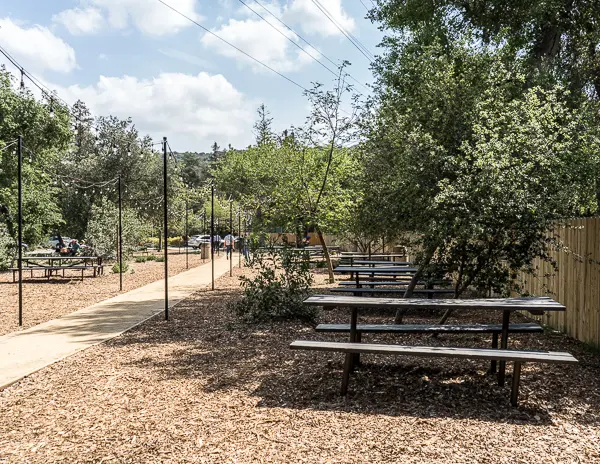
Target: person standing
<point>228,245</point>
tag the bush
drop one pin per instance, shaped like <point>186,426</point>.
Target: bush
<point>102,229</point>
<point>278,290</point>
<point>175,241</point>
<point>116,269</point>
<point>159,259</point>
<point>151,258</point>
<point>7,249</point>
<point>141,259</point>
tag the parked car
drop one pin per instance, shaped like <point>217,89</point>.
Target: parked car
<point>194,241</point>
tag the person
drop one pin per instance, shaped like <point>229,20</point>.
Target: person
<point>228,245</point>
<point>74,247</point>
<point>307,240</point>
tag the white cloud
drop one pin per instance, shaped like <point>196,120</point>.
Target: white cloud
<point>307,15</point>
<point>80,21</point>
<point>186,108</point>
<point>262,42</point>
<point>186,57</point>
<point>150,17</point>
<point>36,47</point>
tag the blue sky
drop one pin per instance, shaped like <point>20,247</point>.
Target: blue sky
<point>137,58</point>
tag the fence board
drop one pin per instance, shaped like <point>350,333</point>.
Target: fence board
<point>575,283</point>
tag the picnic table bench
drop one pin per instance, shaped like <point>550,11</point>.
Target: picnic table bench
<point>430,292</point>
<point>392,283</point>
<point>373,263</point>
<point>535,305</point>
<point>517,356</point>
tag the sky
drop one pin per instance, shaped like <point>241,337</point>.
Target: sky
<point>139,59</point>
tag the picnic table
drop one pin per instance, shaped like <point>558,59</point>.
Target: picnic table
<point>534,305</point>
<point>353,256</point>
<point>373,263</point>
<point>49,264</point>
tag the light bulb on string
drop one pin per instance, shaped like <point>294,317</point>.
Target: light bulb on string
<point>22,79</point>
<point>51,107</point>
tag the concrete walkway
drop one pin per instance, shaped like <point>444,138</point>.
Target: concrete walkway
<point>22,353</point>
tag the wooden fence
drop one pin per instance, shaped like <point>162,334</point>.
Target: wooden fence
<point>576,282</point>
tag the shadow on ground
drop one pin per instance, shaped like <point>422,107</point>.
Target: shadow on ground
<point>222,354</point>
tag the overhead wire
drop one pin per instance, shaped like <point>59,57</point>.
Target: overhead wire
<point>287,37</point>
<point>10,144</point>
<point>353,40</point>
<point>233,46</point>
<point>337,65</point>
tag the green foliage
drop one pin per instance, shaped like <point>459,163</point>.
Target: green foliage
<point>45,138</point>
<point>159,259</point>
<point>276,292</point>
<point>471,164</point>
<point>7,249</point>
<point>141,259</point>
<point>116,268</point>
<point>102,229</point>
<point>151,258</point>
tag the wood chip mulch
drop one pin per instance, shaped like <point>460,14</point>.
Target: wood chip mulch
<point>205,388</point>
<point>45,300</point>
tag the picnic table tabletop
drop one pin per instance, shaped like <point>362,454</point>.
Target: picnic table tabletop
<point>536,304</point>
<point>376,269</point>
<point>382,262</point>
<point>353,254</point>
<point>41,258</point>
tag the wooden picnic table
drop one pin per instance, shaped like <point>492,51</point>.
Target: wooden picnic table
<point>49,264</point>
<point>384,263</point>
<point>91,260</point>
<point>534,305</point>
<point>376,269</point>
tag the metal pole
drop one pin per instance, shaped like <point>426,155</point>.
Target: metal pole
<point>240,237</point>
<point>20,224</point>
<point>120,237</point>
<point>187,265</point>
<point>212,234</point>
<point>205,226</point>
<point>232,243</point>
<point>165,228</point>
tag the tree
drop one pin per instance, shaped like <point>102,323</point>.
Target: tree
<point>45,138</point>
<point>262,127</point>
<point>306,179</point>
<point>470,166</point>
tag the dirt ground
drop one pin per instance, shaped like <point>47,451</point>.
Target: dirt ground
<point>206,388</point>
<point>45,300</point>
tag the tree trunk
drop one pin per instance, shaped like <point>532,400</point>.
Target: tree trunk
<point>413,283</point>
<point>326,254</point>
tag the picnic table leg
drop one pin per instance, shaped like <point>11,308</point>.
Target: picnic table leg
<point>503,346</point>
<point>350,357</point>
<point>494,347</point>
<point>516,380</point>
<point>353,337</point>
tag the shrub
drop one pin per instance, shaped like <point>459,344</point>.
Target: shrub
<point>141,259</point>
<point>116,268</point>
<point>102,229</point>
<point>279,288</point>
<point>151,258</point>
<point>7,249</point>
<point>175,241</point>
<point>159,259</point>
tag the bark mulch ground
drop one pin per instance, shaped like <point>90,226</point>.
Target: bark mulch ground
<point>206,388</point>
<point>45,300</point>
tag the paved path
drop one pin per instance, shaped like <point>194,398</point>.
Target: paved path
<point>22,353</point>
